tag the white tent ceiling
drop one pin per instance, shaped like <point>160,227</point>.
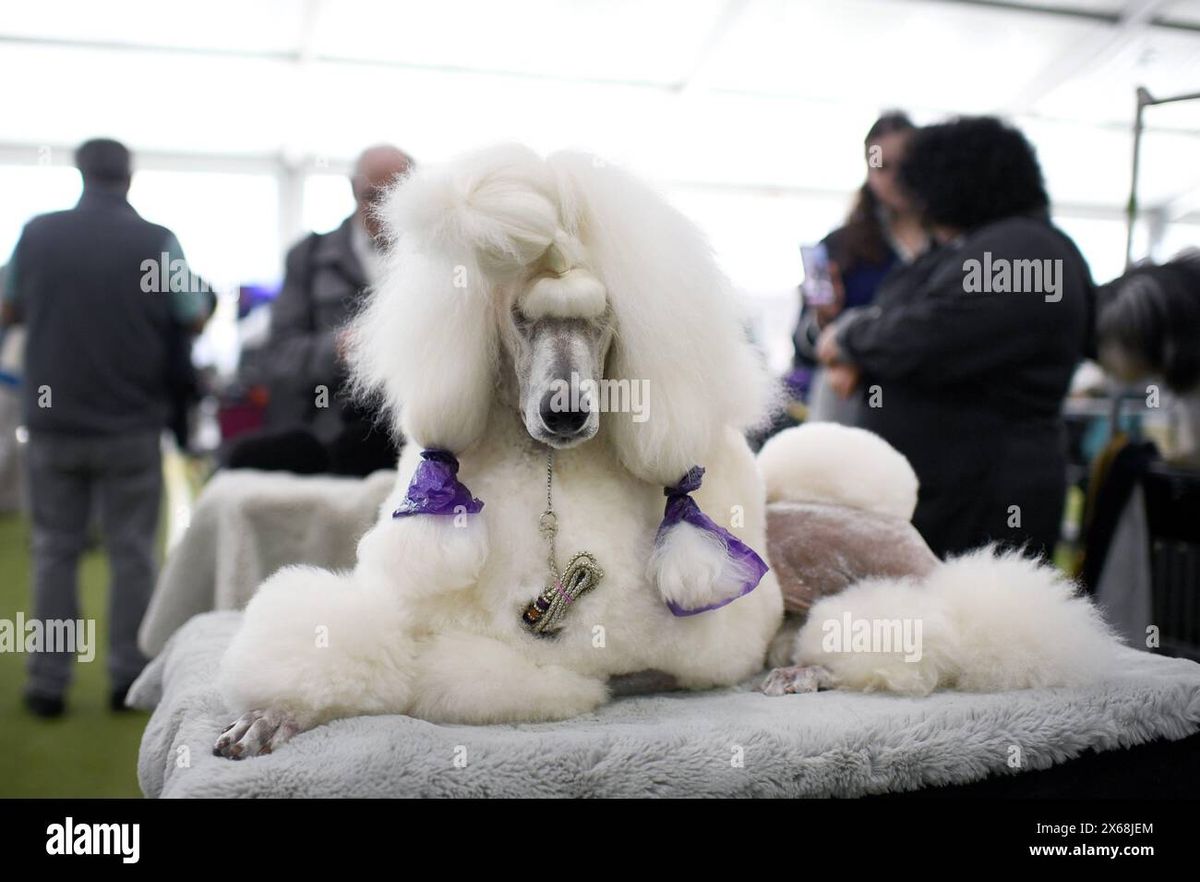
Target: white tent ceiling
<point>244,114</point>
<point>722,93</point>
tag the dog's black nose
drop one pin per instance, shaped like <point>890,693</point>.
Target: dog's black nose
<point>562,420</point>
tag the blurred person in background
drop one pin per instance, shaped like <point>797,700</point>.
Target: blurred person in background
<point>1148,327</point>
<point>882,231</point>
<point>10,413</point>
<point>963,361</point>
<point>106,301</point>
<point>311,426</point>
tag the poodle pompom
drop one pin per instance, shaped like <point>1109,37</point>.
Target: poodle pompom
<point>830,463</point>
<point>987,621</point>
<point>1021,624</point>
<point>693,569</point>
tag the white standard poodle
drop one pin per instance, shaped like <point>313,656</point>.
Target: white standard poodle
<point>545,327</point>
<point>577,510</point>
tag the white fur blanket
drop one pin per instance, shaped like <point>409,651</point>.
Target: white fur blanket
<point>246,525</point>
<point>730,742</point>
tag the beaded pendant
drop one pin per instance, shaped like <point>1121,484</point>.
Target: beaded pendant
<point>544,614</point>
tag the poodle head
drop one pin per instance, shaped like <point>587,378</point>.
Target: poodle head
<point>567,290</point>
<point>555,339</point>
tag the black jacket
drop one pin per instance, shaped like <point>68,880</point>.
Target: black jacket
<point>969,384</point>
<point>324,286</point>
<point>101,348</point>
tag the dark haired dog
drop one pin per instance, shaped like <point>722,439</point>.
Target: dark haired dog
<point>1148,323</point>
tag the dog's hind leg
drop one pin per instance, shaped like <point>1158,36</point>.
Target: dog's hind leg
<point>313,646</point>
<point>467,678</point>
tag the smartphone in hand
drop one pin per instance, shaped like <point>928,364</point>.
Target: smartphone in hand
<point>817,286</point>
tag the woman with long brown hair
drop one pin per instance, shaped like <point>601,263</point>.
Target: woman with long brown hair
<point>881,231</point>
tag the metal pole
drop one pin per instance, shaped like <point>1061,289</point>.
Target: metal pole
<point>1144,100</point>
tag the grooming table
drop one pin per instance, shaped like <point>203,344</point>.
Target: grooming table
<point>728,742</point>
<point>245,526</point>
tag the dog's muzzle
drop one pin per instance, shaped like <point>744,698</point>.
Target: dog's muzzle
<point>563,423</point>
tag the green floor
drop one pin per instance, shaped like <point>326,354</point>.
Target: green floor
<point>90,751</point>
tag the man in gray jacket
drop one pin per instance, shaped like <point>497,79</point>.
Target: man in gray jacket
<point>311,426</point>
<point>104,336</point>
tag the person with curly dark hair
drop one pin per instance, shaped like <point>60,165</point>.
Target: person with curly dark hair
<point>965,357</point>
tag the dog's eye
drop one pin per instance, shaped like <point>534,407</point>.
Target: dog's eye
<point>522,321</point>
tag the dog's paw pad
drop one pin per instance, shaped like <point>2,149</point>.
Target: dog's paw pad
<point>795,680</point>
<point>255,733</point>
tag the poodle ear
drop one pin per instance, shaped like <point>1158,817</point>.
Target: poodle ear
<point>428,347</point>
<point>428,337</point>
<point>678,330</point>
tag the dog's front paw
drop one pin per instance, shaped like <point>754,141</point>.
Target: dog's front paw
<point>796,679</point>
<point>255,732</point>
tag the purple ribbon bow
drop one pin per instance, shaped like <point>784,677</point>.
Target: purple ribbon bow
<point>681,507</point>
<point>435,488</point>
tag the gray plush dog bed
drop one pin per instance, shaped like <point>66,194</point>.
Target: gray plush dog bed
<point>730,742</point>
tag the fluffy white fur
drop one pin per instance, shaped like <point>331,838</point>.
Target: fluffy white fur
<point>827,462</point>
<point>577,294</point>
<point>462,236</point>
<point>693,569</point>
<point>428,623</point>
<point>990,622</point>
<point>319,645</point>
<point>677,323</point>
